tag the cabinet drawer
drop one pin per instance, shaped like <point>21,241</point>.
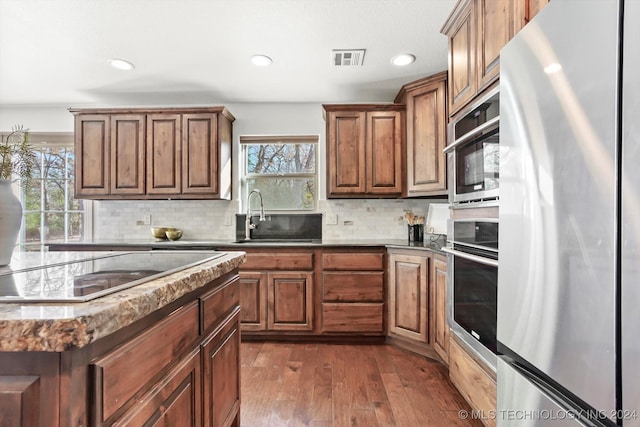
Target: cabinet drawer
<point>123,372</point>
<point>352,286</point>
<point>354,317</point>
<point>174,400</point>
<point>220,302</point>
<point>278,261</point>
<point>352,261</point>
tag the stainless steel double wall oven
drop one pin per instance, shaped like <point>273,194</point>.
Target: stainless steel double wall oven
<point>473,157</point>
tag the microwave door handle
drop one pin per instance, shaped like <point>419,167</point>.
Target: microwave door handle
<point>472,134</point>
<point>471,257</point>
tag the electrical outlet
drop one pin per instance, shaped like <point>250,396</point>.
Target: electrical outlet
<point>147,219</point>
<point>332,219</point>
<point>227,220</point>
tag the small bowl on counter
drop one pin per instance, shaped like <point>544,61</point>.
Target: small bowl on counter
<point>159,232</point>
<point>173,234</point>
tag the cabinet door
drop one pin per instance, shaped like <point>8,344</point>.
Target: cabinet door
<point>462,57</point>
<point>221,368</point>
<point>526,10</point>
<point>290,301</point>
<point>29,389</point>
<point>175,400</point>
<point>115,384</point>
<point>92,145</point>
<point>253,300</point>
<point>440,337</point>
<point>384,152</point>
<point>426,138</point>
<point>346,134</point>
<point>199,154</point>
<point>495,28</point>
<point>163,154</point>
<point>127,154</point>
<point>408,305</point>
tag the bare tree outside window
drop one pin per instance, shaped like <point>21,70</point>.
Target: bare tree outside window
<point>51,214</point>
<point>283,169</point>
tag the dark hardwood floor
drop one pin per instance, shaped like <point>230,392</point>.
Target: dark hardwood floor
<point>335,385</point>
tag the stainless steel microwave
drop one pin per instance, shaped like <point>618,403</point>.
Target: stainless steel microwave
<point>473,154</point>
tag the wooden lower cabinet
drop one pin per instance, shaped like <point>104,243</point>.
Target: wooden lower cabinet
<point>417,310</point>
<point>286,293</point>
<point>175,400</point>
<point>277,291</point>
<point>253,294</point>
<point>476,384</point>
<point>439,324</point>
<point>221,364</point>
<point>29,389</point>
<point>179,366</point>
<point>290,301</point>
<point>353,292</point>
<point>408,294</point>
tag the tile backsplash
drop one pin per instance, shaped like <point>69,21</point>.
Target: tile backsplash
<point>215,219</point>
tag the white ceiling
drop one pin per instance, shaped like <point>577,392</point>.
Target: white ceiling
<point>196,52</point>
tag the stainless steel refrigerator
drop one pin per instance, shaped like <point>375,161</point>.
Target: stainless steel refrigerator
<point>569,274</point>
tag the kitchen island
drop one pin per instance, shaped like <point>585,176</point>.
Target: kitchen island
<point>165,350</point>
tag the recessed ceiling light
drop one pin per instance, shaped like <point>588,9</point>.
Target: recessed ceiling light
<point>120,64</point>
<point>403,59</point>
<point>261,60</point>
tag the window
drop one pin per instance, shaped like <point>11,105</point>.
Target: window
<point>283,169</point>
<point>50,212</point>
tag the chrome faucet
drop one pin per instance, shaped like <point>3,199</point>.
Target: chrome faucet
<point>248,225</point>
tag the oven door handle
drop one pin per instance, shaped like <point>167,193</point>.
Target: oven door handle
<point>471,257</point>
<point>472,134</point>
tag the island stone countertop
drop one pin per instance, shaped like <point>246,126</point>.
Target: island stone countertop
<point>431,243</point>
<point>57,327</point>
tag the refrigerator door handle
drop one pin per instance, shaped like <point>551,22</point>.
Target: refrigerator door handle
<point>471,257</point>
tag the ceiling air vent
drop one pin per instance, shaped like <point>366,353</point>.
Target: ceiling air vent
<point>347,57</point>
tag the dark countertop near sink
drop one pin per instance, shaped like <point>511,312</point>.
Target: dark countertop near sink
<point>147,244</point>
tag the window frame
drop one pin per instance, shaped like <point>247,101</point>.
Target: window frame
<point>40,141</point>
<point>278,139</point>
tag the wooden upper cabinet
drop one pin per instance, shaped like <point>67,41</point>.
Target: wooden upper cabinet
<point>477,30</point>
<point>127,154</point>
<point>384,152</point>
<point>153,153</point>
<point>346,133</point>
<point>426,135</point>
<point>364,150</point>
<point>92,148</point>
<point>495,20</point>
<point>526,10</point>
<point>199,153</point>
<point>460,28</point>
<point>163,153</point>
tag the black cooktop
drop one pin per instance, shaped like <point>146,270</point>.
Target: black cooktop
<point>82,281</point>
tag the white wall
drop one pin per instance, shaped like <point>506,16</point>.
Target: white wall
<point>210,219</point>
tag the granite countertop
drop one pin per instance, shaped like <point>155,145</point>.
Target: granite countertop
<point>146,244</point>
<point>57,327</point>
